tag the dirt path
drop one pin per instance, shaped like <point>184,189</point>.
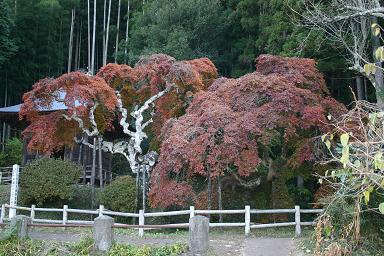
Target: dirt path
<point>221,244</point>
<point>269,247</point>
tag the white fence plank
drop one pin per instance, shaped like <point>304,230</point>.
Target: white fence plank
<point>219,211</point>
<point>83,211</point>
<point>191,212</point>
<point>223,225</point>
<point>311,210</point>
<point>170,213</point>
<point>271,225</point>
<point>121,214</point>
<point>273,211</point>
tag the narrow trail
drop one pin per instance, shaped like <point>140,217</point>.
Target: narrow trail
<point>221,244</point>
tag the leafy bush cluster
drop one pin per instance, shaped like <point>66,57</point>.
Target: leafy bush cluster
<point>13,153</point>
<point>48,181</point>
<point>120,195</point>
<point>28,247</point>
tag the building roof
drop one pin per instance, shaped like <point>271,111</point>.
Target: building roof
<point>56,105</point>
<point>16,108</point>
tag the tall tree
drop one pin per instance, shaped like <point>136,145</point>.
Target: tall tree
<point>70,47</point>
<point>257,128</point>
<point>117,31</point>
<point>348,24</point>
<point>112,94</point>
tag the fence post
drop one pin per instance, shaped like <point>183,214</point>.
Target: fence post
<point>1,177</point>
<point>247,220</point>
<point>198,235</point>
<point>14,190</point>
<point>297,220</point>
<point>101,209</point>
<point>103,233</point>
<point>65,214</point>
<point>2,215</point>
<point>33,212</point>
<point>192,211</point>
<point>20,224</point>
<point>141,222</point>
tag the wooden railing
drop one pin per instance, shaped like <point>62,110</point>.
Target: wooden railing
<point>247,211</point>
<point>6,175</point>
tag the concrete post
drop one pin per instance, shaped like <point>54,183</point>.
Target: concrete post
<point>20,223</point>
<point>33,212</point>
<point>297,220</point>
<point>101,209</point>
<point>247,220</point>
<point>198,235</point>
<point>14,190</point>
<point>2,214</point>
<point>103,233</point>
<point>192,211</point>
<point>141,222</point>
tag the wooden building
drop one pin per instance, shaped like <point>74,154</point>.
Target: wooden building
<point>79,153</point>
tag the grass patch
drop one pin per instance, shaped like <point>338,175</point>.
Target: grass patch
<point>29,247</point>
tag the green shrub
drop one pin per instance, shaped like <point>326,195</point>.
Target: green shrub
<point>13,153</point>
<point>130,250</point>
<point>5,192</point>
<point>48,181</point>
<point>120,194</point>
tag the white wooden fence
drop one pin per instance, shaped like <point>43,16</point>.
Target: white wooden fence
<point>247,211</point>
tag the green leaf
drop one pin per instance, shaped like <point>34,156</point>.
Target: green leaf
<point>369,69</point>
<point>366,196</point>
<point>328,144</point>
<point>323,137</point>
<point>344,139</point>
<point>381,208</point>
<point>378,161</point>
<point>345,156</point>
<point>327,231</point>
<point>372,118</point>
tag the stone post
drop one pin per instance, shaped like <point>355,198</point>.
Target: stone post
<point>14,190</point>
<point>198,235</point>
<point>20,223</point>
<point>103,233</point>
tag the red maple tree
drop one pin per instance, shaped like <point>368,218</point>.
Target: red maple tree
<point>263,120</point>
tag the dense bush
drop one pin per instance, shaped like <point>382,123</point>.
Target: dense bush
<point>120,194</point>
<point>13,152</point>
<point>81,198</point>
<point>48,181</point>
<point>5,192</point>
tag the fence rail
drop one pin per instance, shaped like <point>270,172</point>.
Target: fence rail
<point>247,224</point>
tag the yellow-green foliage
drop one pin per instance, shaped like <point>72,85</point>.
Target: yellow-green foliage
<point>48,181</point>
<point>120,194</point>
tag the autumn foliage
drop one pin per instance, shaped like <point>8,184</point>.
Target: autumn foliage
<point>79,92</point>
<point>263,120</point>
